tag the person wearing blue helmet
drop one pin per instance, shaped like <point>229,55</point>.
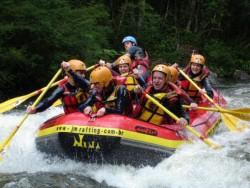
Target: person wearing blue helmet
<point>130,39</point>
<point>139,57</point>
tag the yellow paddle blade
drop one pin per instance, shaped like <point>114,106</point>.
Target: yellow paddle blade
<point>242,113</point>
<point>4,146</point>
<point>230,121</point>
<point>58,102</point>
<point>233,123</point>
<point>13,103</point>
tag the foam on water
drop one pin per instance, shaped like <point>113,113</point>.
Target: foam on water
<point>194,165</point>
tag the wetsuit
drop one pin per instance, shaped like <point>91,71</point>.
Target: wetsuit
<point>65,88</point>
<point>117,104</point>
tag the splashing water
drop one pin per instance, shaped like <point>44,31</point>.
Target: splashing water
<point>194,165</point>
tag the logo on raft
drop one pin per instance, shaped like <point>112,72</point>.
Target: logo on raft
<point>145,130</point>
<point>79,142</point>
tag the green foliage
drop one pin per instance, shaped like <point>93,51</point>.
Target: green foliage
<point>219,57</point>
<point>36,35</point>
<point>226,59</point>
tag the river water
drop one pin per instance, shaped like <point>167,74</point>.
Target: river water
<point>194,165</point>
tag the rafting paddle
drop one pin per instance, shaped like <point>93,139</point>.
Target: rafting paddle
<point>231,123</point>
<point>6,144</point>
<point>188,127</point>
<point>15,102</point>
<point>12,103</point>
<point>243,113</point>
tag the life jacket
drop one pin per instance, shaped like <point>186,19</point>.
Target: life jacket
<point>110,102</point>
<point>142,64</point>
<point>130,81</point>
<point>191,90</point>
<point>63,81</point>
<point>152,113</point>
<point>181,93</point>
<point>71,100</point>
<point>141,61</point>
<point>98,104</point>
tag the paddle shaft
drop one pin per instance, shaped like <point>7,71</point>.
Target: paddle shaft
<point>9,139</point>
<point>213,109</point>
<point>12,103</point>
<point>196,133</point>
<point>232,125</point>
<point>198,88</point>
<point>56,83</point>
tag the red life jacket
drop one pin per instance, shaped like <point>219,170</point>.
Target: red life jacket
<point>191,90</point>
<point>141,61</point>
<point>64,81</point>
<point>70,103</point>
<point>142,64</point>
<point>181,93</point>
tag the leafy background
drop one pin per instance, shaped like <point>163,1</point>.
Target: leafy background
<point>37,35</point>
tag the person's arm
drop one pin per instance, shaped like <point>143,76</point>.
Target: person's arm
<point>89,102</point>
<point>208,87</point>
<point>57,94</point>
<point>179,111</point>
<point>139,77</point>
<point>122,100</point>
<point>187,99</point>
<point>114,73</point>
<point>81,82</point>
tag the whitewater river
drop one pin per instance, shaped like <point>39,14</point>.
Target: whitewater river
<point>195,165</point>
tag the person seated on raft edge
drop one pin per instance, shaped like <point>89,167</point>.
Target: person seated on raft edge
<point>197,71</point>
<point>72,91</point>
<point>139,57</point>
<point>174,82</point>
<point>160,89</point>
<point>106,98</point>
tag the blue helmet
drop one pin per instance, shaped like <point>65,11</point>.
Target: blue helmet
<point>129,39</point>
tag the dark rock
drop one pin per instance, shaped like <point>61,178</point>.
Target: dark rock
<point>213,77</point>
<point>241,75</point>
